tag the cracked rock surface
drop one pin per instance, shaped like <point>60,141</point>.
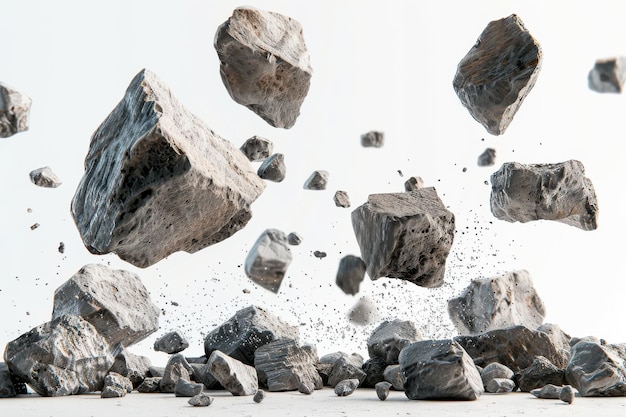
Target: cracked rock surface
<point>268,260</point>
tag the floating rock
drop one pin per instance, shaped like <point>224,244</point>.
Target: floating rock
<point>567,394</point>
<point>382,390</point>
<point>283,365</point>
<point>560,192</point>
<point>373,139</point>
<point>294,239</point>
<point>500,385</point>
<point>363,312</point>
<point>150,385</point>
<point>598,370</point>
<point>350,274</point>
<point>608,75</point>
<point>346,387</point>
<point>497,74</point>
<point>394,375</point>
<point>439,370</point>
<point>61,247</point>
<point>114,301</point>
<point>547,392</point>
<point>487,158</point>
<point>346,368</point>
<point>44,177</point>
<point>405,235</point>
<point>341,199</point>
<point>14,111</point>
<point>264,64</point>
<point>390,337</point>
<point>317,181</point>
<point>268,260</point>
<point>158,180</point>
<point>200,400</point>
<point>273,168</point>
<point>540,373</point>
<point>133,367</point>
<point>116,386</point>
<point>259,396</point>
<point>187,389</point>
<point>257,148</point>
<point>177,368</point>
<point>414,183</point>
<point>495,370</point>
<point>7,389</point>
<point>171,342</point>
<point>319,254</point>
<point>34,226</point>
<point>237,377</point>
<point>374,369</point>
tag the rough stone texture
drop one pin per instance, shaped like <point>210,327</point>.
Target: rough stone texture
<point>560,339</point>
<point>177,368</point>
<point>495,370</point>
<point>541,372</point>
<point>257,148</point>
<point>439,370</point>
<point>273,168</point>
<point>341,199</point>
<point>187,389</point>
<point>249,329</point>
<point>156,371</point>
<point>350,274</point>
<point>114,301</point>
<point>171,342</point>
<point>547,392</point>
<point>487,158</point>
<point>560,192</point>
<point>608,75</point>
<point>112,391</point>
<point>346,368</point>
<point>268,260</point>
<point>134,367</point>
<point>363,312</point>
<point>499,385</point>
<point>413,183</point>
<point>374,369</point>
<point>567,394</point>
<point>388,339</point>
<point>382,390</point>
<point>294,239</point>
<point>259,396</point>
<point>150,385</point>
<point>283,365</point>
<point>324,370</point>
<point>14,111</point>
<point>306,387</point>
<point>496,303</point>
<point>497,74</point>
<point>346,387</point>
<point>62,357</point>
<point>318,180</point>
<point>115,386</point>
<point>597,370</point>
<point>373,139</point>
<point>264,64</point>
<point>237,377</point>
<point>319,254</point>
<point>7,389</point>
<point>200,400</point>
<point>158,180</point>
<point>203,374</point>
<point>394,375</point>
<point>405,235</point>
<point>45,177</point>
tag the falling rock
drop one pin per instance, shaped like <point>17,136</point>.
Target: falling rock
<point>268,260</point>
<point>259,396</point>
<point>346,387</point>
<point>44,177</point>
<point>487,158</point>
<point>540,373</point>
<point>363,312</point>
<point>319,254</point>
<point>264,64</point>
<point>350,274</point>
<point>495,370</point>
<point>567,394</point>
<point>382,390</point>
<point>374,369</point>
<point>394,375</point>
<point>497,74</point>
<point>14,111</point>
<point>439,370</point>
<point>158,180</point>
<point>134,367</point>
<point>373,139</point>
<point>597,370</point>
<point>114,301</point>
<point>150,385</point>
<point>257,148</point>
<point>560,192</point>
<point>317,181</point>
<point>608,75</point>
<point>294,239</point>
<point>238,378</point>
<point>171,342</point>
<point>62,357</point>
<point>390,337</point>
<point>499,385</point>
<point>7,389</point>
<point>341,199</point>
<point>413,183</point>
<point>177,368</point>
<point>185,388</point>
<point>547,392</point>
<point>200,400</point>
<point>115,386</point>
<point>273,168</point>
<point>405,235</point>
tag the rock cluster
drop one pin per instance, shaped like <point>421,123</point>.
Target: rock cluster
<point>14,111</point>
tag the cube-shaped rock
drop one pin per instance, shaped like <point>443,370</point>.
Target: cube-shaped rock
<point>268,260</point>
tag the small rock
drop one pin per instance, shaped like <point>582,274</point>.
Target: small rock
<point>156,371</point>
<point>61,247</point>
<point>350,274</point>
<point>487,158</point>
<point>150,385</point>
<point>259,396</point>
<point>608,75</point>
<point>171,342</point>
<point>495,370</point>
<point>177,368</point>
<point>273,168</point>
<point>567,394</point>
<point>346,387</point>
<point>540,373</point>
<point>373,139</point>
<point>500,385</point>
<point>317,181</point>
<point>44,177</point>
<point>390,337</point>
<point>319,254</point>
<point>200,400</point>
<point>14,111</point>
<point>382,390</point>
<point>363,312</point>
<point>294,239</point>
<point>306,387</point>
<point>34,226</point>
<point>238,378</point>
<point>187,389</point>
<point>341,199</point>
<point>414,183</point>
<point>268,260</point>
<point>257,148</point>
<point>394,375</point>
<point>374,369</point>
<point>547,392</point>
<point>115,386</point>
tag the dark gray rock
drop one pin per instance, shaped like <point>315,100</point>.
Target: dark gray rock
<point>116,386</point>
<point>350,274</point>
<point>14,111</point>
<point>150,385</point>
<point>373,139</point>
<point>547,392</point>
<point>382,390</point>
<point>363,312</point>
<point>319,254</point>
<point>158,180</point>
<point>44,177</point>
<point>317,181</point>
<point>264,63</point>
<point>283,365</point>
<point>540,373</point>
<point>608,75</point>
<point>294,239</point>
<point>156,371</point>
<point>487,158</point>
<point>394,375</point>
<point>413,183</point>
<point>306,387</point>
<point>597,370</point>
<point>500,385</point>
<point>374,369</point>
<point>567,394</point>
<point>257,148</point>
<point>268,260</point>
<point>177,368</point>
<point>187,389</point>
<point>200,400</point>
<point>112,391</point>
<point>346,368</point>
<point>346,387</point>
<point>259,396</point>
<point>341,199</point>
<point>560,339</point>
<point>390,337</point>
<point>405,235</point>
<point>134,367</point>
<point>171,342</point>
<point>497,74</point>
<point>592,339</point>
<point>203,375</point>
<point>7,389</point>
<point>273,168</point>
<point>324,370</point>
<point>559,192</point>
<point>238,378</point>
<point>495,370</point>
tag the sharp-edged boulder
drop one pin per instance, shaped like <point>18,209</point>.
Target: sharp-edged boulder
<point>134,367</point>
<point>390,337</point>
<point>177,368</point>
<point>273,168</point>
<point>373,139</point>
<point>171,342</point>
<point>608,75</point>
<point>268,260</point>
<point>540,373</point>
<point>341,199</point>
<point>350,274</point>
<point>14,111</point>
<point>238,378</point>
<point>257,148</point>
<point>598,370</point>
<point>44,177</point>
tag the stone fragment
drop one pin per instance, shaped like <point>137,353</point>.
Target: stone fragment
<point>268,260</point>
<point>374,369</point>
<point>346,368</point>
<point>341,199</point>
<point>495,370</point>
<point>61,247</point>
<point>500,385</point>
<point>350,274</point>
<point>324,370</point>
<point>597,370</point>
<point>294,239</point>
<point>116,386</point>
<point>390,337</point>
<point>487,158</point>
<point>114,301</point>
<point>405,235</point>
<point>187,389</point>
<point>45,177</point>
<point>560,339</point>
<point>34,226</point>
<point>567,394</point>
<point>382,390</point>
<point>283,365</point>
<point>317,181</point>
<point>498,72</point>
<point>413,183</point>
<point>134,367</point>
<point>171,342</point>
<point>238,378</point>
<point>319,254</point>
<point>200,400</point>
<point>593,339</point>
<point>363,312</point>
<point>273,168</point>
<point>264,64</point>
<point>346,387</point>
<point>7,389</point>
<point>14,111</point>
<point>259,396</point>
<point>560,192</point>
<point>150,385</point>
<point>112,391</point>
<point>373,139</point>
<point>394,375</point>
<point>202,373</point>
<point>547,392</point>
<point>158,180</point>
<point>608,75</point>
<point>540,373</point>
<point>257,148</point>
<point>177,368</point>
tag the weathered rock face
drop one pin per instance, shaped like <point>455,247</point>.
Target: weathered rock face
<point>413,183</point>
<point>346,368</point>
<point>390,337</point>
<point>598,370</point>
<point>405,235</point>
<point>62,357</point>
<point>273,168</point>
<point>608,75</point>
<point>487,158</point>
<point>149,385</point>
<point>45,177</point>
<point>268,260</point>
<point>497,74</point>
<point>318,180</point>
<point>350,274</point>
<point>7,389</point>
<point>264,64</point>
<point>373,139</point>
<point>496,303</point>
<point>257,148</point>
<point>133,367</point>
<point>439,370</point>
<point>560,192</point>
<point>14,111</point>
<point>547,392</point>
<point>115,302</point>
<point>158,180</point>
<point>171,342</point>
<point>394,375</point>
<point>237,377</point>
<point>346,387</point>
<point>540,373</point>
<point>341,199</point>
<point>283,365</point>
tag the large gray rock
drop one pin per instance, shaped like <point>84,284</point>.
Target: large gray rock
<point>264,64</point>
<point>268,260</point>
<point>405,235</point>
<point>560,192</point>
<point>64,356</point>
<point>496,303</point>
<point>14,111</point>
<point>237,377</point>
<point>540,373</point>
<point>273,168</point>
<point>134,367</point>
<point>114,301</point>
<point>608,75</point>
<point>158,180</point>
<point>44,177</point>
<point>171,342</point>
<point>257,148</point>
<point>439,370</point>
<point>390,337</point>
<point>350,274</point>
<point>598,370</point>
<point>497,74</point>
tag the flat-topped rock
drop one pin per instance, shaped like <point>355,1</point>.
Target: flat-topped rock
<point>608,75</point>
<point>14,111</point>
<point>268,260</point>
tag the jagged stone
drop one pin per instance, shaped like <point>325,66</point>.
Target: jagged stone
<point>353,358</point>
<point>283,365</point>
<point>346,368</point>
<point>45,177</point>
<point>187,389</point>
<point>177,368</point>
<point>171,342</point>
<point>319,254</point>
<point>257,148</point>
<point>547,392</point>
<point>540,373</point>
<point>413,183</point>
<point>373,139</point>
<point>567,394</point>
<point>150,385</point>
<point>350,274</point>
<point>112,392</point>
<point>259,396</point>
<point>560,339</point>
<point>7,389</point>
<point>318,180</point>
<point>499,385</point>
<point>559,192</point>
<point>439,370</point>
<point>116,386</point>
<point>382,390</point>
<point>363,312</point>
<point>273,168</point>
<point>597,370</point>
<point>134,367</point>
<point>268,260</point>
<point>200,400</point>
<point>592,339</point>
<point>374,369</point>
<point>341,199</point>
<point>114,301</point>
<point>608,75</point>
<point>203,375</point>
<point>158,180</point>
<point>14,111</point>
<point>487,158</point>
<point>264,63</point>
<point>294,239</point>
<point>495,370</point>
<point>238,378</point>
<point>346,387</point>
<point>390,337</point>
<point>324,370</point>
<point>495,303</point>
<point>394,375</point>
<point>498,72</point>
<point>405,235</point>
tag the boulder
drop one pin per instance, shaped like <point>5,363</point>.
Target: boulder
<point>14,111</point>
<point>540,373</point>
<point>7,389</point>
<point>597,370</point>
<point>306,387</point>
<point>203,374</point>
<point>413,183</point>
<point>346,387</point>
<point>390,337</point>
<point>495,370</point>
<point>350,274</point>
<point>283,365</point>
<point>171,342</point>
<point>374,369</point>
<point>318,180</point>
<point>273,168</point>
<point>341,199</point>
<point>238,378</point>
<point>134,367</point>
<point>394,375</point>
<point>373,139</point>
<point>487,158</point>
<point>608,75</point>
<point>177,368</point>
<point>268,260</point>
<point>115,386</point>
<point>382,390</point>
<point>45,177</point>
<point>185,388</point>
<point>257,148</point>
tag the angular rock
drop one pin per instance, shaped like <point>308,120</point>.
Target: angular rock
<point>112,391</point>
<point>405,235</point>
<point>259,396</point>
<point>495,370</point>
<point>363,312</point>
<point>257,148</point>
<point>345,368</point>
<point>317,181</point>
<point>374,369</point>
<point>597,370</point>
<point>273,168</point>
<point>559,192</point>
<point>177,368</point>
<point>567,394</point>
<point>283,365</point>
<point>439,370</point>
<point>150,385</point>
<point>382,390</point>
<point>413,183</point>
<point>306,387</point>
<point>264,64</point>
<point>497,74</point>
<point>373,139</point>
<point>353,358</point>
<point>341,199</point>
<point>116,386</point>
<point>238,378</point>
<point>499,385</point>
<point>319,254</point>
<point>547,392</point>
<point>158,180</point>
<point>560,339</point>
<point>324,370</point>
<point>156,371</point>
<point>394,375</point>
<point>268,260</point>
<point>7,389</point>
<point>171,342</point>
<point>187,389</point>
<point>114,301</point>
<point>542,372</point>
<point>487,158</point>
<point>44,177</point>
<point>346,387</point>
<point>200,400</point>
<point>294,239</point>
<point>390,337</point>
<point>133,367</point>
<point>608,75</point>
<point>14,111</point>
<point>350,274</point>
<point>203,374</point>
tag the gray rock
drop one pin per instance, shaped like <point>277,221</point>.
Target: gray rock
<point>500,385</point>
<point>560,339</point>
<point>283,365</point>
<point>7,389</point>
<point>330,358</point>
<point>171,342</point>
<point>134,367</point>
<point>547,392</point>
<point>346,368</point>
<point>496,303</point>
<point>273,168</point>
<point>294,239</point>
<point>114,301</point>
<point>156,371</point>
<point>177,368</point>
<point>540,373</point>
<point>115,386</point>
<point>264,63</point>
<point>306,387</point>
<point>112,391</point>
<point>559,192</point>
<point>150,385</point>
<point>319,254</point>
<point>324,370</point>
<point>592,339</point>
<point>363,312</point>
<point>200,400</point>
<point>373,139</point>
<point>495,370</point>
<point>597,370</point>
<point>259,396</point>
<point>394,375</point>
<point>62,357</point>
<point>203,374</point>
<point>413,183</point>
<point>268,260</point>
<point>257,148</point>
<point>350,274</point>
<point>608,75</point>
<point>487,158</point>
<point>497,74</point>
<point>14,111</point>
<point>238,378</point>
<point>346,387</point>
<point>390,337</point>
<point>158,180</point>
<point>374,369</point>
<point>405,235</point>
<point>317,181</point>
<point>439,370</point>
<point>382,390</point>
<point>187,389</point>
<point>341,199</point>
<point>567,394</point>
<point>44,177</point>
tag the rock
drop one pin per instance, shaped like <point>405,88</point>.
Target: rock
<point>259,396</point>
<point>177,368</point>
<point>44,177</point>
<point>350,274</point>
<point>62,357</point>
<point>390,337</point>
<point>353,358</point>
<point>496,303</point>
<point>112,392</point>
<point>567,394</point>
<point>382,390</point>
<point>324,370</point>
<point>608,75</point>
<point>341,199</point>
<point>294,239</point>
<point>405,235</point>
<point>187,389</point>
<point>14,111</point>
<point>273,168</point>
<point>61,247</point>
<point>413,183</point>
<point>268,260</point>
<point>559,192</point>
<point>150,385</point>
<point>238,378</point>
<point>540,373</point>
<point>171,342</point>
<point>394,375</point>
<point>317,181</point>
<point>158,180</point>
<point>200,400</point>
<point>373,139</point>
<point>257,148</point>
<point>264,64</point>
<point>497,74</point>
<point>593,339</point>
<point>487,158</point>
<point>114,301</point>
<point>346,368</point>
<point>500,385</point>
<point>495,370</point>
<point>597,370</point>
<point>547,392</point>
<point>202,373</point>
<point>7,389</point>
<point>363,312</point>
<point>306,387</point>
<point>560,339</point>
<point>346,387</point>
<point>283,365</point>
<point>374,369</point>
<point>319,254</point>
<point>156,371</point>
<point>34,226</point>
<point>133,367</point>
<point>116,386</point>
